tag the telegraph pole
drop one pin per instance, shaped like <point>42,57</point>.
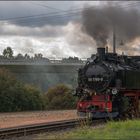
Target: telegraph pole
<point>114,40</point>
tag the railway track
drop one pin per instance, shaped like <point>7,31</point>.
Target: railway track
<point>42,127</point>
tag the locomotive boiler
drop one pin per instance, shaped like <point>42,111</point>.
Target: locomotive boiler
<point>109,86</point>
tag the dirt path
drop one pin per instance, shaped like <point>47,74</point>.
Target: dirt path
<point>23,118</point>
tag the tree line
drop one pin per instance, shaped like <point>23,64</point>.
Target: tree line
<point>18,96</point>
<point>8,53</point>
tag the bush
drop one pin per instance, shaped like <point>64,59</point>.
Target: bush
<point>15,96</point>
<point>60,97</point>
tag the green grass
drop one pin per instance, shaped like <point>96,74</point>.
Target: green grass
<point>126,130</point>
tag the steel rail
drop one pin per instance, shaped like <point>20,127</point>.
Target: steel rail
<point>38,128</point>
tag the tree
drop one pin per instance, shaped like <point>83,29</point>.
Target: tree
<point>20,56</point>
<point>71,60</point>
<point>38,56</point>
<point>60,97</point>
<point>8,52</point>
<point>35,100</point>
<point>15,96</point>
<point>27,56</point>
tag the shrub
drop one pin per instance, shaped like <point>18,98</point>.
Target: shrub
<point>15,96</point>
<point>60,97</point>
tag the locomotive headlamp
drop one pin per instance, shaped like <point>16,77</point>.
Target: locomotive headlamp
<point>80,105</point>
<point>90,93</point>
<point>114,91</point>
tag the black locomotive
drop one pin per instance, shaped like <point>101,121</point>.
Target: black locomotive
<point>108,70</point>
<point>109,83</point>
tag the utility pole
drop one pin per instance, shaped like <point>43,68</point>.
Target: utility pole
<point>114,40</point>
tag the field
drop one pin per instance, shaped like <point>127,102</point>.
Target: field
<point>24,118</point>
<point>127,130</point>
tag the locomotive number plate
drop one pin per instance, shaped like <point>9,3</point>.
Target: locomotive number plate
<point>95,79</point>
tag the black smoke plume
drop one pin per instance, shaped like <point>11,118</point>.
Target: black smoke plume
<point>100,22</point>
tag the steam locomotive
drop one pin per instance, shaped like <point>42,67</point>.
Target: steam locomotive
<point>109,86</point>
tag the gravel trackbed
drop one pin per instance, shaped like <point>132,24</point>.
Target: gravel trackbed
<point>24,118</point>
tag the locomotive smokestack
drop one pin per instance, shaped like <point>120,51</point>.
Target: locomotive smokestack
<point>101,52</point>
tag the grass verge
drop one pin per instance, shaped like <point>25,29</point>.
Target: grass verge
<point>126,130</point>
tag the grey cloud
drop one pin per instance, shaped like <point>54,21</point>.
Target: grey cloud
<point>24,8</point>
<point>42,21</point>
<point>26,46</point>
<point>77,37</point>
<point>80,42</point>
<point>45,31</point>
<point>57,37</point>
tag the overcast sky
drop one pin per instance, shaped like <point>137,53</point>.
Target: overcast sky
<point>52,28</point>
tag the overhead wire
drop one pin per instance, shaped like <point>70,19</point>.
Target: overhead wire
<point>60,14</point>
<point>32,16</point>
<point>49,13</point>
<point>46,6</point>
<point>78,13</point>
